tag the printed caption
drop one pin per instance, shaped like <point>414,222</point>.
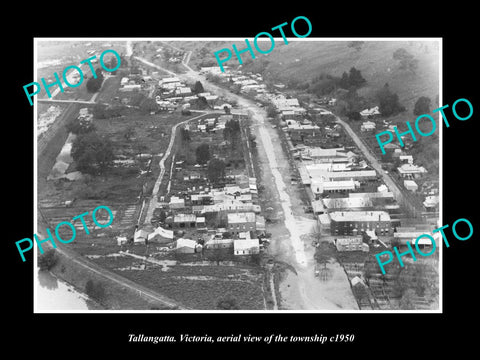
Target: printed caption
<point>241,338</point>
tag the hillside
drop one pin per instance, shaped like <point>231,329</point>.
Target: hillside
<point>302,61</point>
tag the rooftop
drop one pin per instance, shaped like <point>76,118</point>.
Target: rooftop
<point>360,216</point>
<point>235,218</point>
<point>245,244</point>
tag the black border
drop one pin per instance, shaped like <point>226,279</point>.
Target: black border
<point>375,332</point>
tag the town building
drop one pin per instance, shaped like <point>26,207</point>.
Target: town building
<point>184,221</point>
<point>410,171</point>
<point>351,243</point>
<point>368,126</point>
<point>186,246</point>
<point>356,222</point>
<point>240,222</point>
<point>215,243</point>
<point>320,187</point>
<point>246,247</point>
<point>410,185</point>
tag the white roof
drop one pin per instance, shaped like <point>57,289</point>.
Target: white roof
<point>356,280</point>
<point>186,243</point>
<point>349,240</point>
<point>185,218</point>
<point>410,169</point>
<point>324,219</point>
<point>360,216</point>
<point>170,80</point>
<point>245,244</point>
<point>176,200</point>
<point>234,218</point>
<point>347,202</point>
<point>162,232</point>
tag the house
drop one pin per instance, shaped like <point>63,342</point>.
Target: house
<point>410,185</point>
<point>129,87</point>
<point>200,222</point>
<point>318,207</point>
<point>169,83</point>
<point>355,222</point>
<point>160,234</point>
<point>351,243</point>
<point>239,222</point>
<point>410,171</point>
<point>121,240</point>
<point>324,221</point>
<point>184,220</point>
<point>368,126</point>
<point>176,203</point>
<point>326,155</point>
<point>370,112</point>
<point>183,91</point>
<point>215,243</point>
<point>140,237</point>
<point>406,159</point>
<point>185,246</point>
<point>431,202</point>
<point>320,186</point>
<point>260,223</point>
<point>246,247</point>
<point>404,235</point>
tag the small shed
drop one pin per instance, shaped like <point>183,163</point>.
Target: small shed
<point>186,246</point>
<point>410,185</point>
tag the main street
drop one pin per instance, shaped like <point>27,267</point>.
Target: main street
<point>305,292</point>
<point>392,185</point>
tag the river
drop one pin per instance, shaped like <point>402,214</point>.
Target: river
<point>52,294</point>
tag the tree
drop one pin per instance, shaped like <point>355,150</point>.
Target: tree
<point>422,106</point>
<point>184,135</point>
<point>47,260</point>
<point>198,88</point>
<point>227,304</point>
<point>216,170</point>
<point>92,153</point>
<point>357,45</point>
<point>355,78</point>
<point>201,102</point>
<point>232,132</point>
<point>388,102</point>
<point>203,153</point>
<point>344,81</point>
<point>271,112</point>
<point>94,84</point>
<point>80,127</point>
<point>406,60</point>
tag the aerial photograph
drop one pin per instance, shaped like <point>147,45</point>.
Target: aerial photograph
<point>182,175</point>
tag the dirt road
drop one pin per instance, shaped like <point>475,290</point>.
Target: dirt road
<point>307,293</point>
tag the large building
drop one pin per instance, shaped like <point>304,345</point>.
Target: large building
<point>241,222</point>
<point>319,187</point>
<point>356,222</point>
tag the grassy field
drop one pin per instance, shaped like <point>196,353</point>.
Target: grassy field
<point>193,282</point>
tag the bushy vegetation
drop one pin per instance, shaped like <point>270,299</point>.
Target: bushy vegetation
<point>388,102</point>
<point>92,153</point>
<point>94,84</point>
<point>95,290</point>
<point>47,260</point>
<point>422,106</point>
